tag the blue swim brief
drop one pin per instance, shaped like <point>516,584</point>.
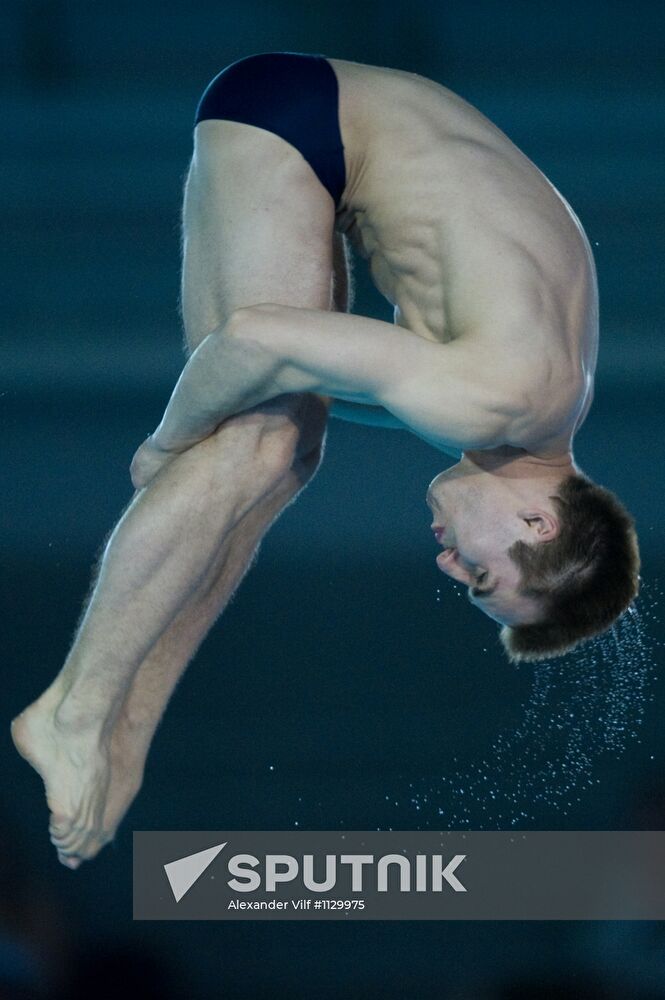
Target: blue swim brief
<point>293,94</point>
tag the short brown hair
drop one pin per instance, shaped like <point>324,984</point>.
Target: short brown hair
<point>585,577</point>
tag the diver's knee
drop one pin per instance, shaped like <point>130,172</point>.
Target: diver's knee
<point>293,429</point>
<point>267,443</point>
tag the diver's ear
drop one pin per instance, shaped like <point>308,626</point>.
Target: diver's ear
<point>543,524</point>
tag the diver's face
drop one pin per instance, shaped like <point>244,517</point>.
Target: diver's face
<point>477,516</point>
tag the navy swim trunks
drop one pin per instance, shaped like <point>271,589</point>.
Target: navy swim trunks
<point>293,94</point>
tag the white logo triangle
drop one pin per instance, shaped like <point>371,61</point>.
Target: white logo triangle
<point>183,873</point>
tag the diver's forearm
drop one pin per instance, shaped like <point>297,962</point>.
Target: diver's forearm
<point>225,375</point>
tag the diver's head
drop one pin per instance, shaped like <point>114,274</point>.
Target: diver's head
<point>543,550</point>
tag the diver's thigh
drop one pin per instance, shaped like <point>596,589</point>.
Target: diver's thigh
<point>257,227</point>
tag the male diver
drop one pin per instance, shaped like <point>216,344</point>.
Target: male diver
<point>491,357</point>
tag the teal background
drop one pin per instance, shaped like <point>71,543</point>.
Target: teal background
<point>339,674</point>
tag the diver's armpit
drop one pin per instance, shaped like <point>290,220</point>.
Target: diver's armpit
<point>365,413</point>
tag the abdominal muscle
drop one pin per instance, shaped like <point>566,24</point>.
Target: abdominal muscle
<point>463,234</point>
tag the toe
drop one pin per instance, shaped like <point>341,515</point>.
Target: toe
<point>69,860</point>
<point>73,843</point>
<point>64,838</point>
<point>59,827</point>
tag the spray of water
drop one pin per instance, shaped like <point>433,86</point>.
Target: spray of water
<point>581,705</point>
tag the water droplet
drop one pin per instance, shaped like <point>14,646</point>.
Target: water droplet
<point>581,705</point>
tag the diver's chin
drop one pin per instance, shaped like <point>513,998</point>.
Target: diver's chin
<point>445,558</point>
<point>460,468</point>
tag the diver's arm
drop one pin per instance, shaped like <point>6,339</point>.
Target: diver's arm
<point>451,395</point>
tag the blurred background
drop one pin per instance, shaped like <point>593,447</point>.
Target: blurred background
<point>346,669</point>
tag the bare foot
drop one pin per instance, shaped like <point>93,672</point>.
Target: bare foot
<point>129,749</point>
<point>75,769</point>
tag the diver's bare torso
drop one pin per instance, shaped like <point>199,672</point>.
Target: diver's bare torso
<point>468,240</point>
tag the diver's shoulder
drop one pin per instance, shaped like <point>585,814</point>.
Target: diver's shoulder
<point>545,417</point>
